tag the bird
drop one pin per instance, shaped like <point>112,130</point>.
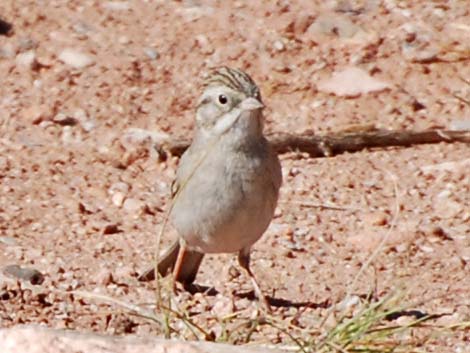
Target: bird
<point>227,182</point>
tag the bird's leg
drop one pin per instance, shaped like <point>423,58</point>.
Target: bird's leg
<point>244,261</point>
<point>179,263</point>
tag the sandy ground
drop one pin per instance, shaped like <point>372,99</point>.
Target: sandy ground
<point>82,202</point>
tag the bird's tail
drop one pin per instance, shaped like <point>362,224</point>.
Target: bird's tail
<point>191,262</point>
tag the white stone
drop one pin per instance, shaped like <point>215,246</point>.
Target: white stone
<point>352,82</point>
<point>75,58</point>
<point>117,5</point>
<point>118,199</point>
<point>26,59</point>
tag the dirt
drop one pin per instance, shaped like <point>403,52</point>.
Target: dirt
<point>83,205</point>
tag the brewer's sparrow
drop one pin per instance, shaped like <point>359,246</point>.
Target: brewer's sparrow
<point>227,182</point>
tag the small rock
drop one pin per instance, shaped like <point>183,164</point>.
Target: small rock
<point>119,187</point>
<point>426,249</point>
<point>117,5</point>
<point>124,40</point>
<point>419,44</point>
<point>68,135</point>
<point>26,44</point>
<point>27,59</point>
<point>401,248</point>
<point>31,275</point>
<point>82,117</point>
<point>7,51</point>
<point>194,13</point>
<point>349,303</point>
<point>135,137</point>
<point>376,219</point>
<point>125,272</point>
<point>5,27</point>
<point>279,46</point>
<point>133,206</point>
<point>405,320</point>
<point>111,229</point>
<point>75,58</point>
<point>352,82</point>
<point>223,306</point>
<point>299,25</point>
<point>151,53</point>
<point>36,114</point>
<point>203,43</point>
<point>104,277</point>
<point>64,120</point>
<point>82,29</point>
<point>118,199</point>
<point>330,24</point>
<point>460,125</point>
<point>8,241</point>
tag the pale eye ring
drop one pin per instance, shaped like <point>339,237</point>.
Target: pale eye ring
<point>223,99</point>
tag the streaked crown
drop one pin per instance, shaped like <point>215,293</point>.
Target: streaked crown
<point>234,79</point>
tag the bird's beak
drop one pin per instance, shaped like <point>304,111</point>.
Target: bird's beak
<point>251,103</point>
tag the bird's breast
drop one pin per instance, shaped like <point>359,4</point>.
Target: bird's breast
<point>227,203</point>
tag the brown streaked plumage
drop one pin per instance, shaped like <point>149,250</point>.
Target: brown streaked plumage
<point>234,79</point>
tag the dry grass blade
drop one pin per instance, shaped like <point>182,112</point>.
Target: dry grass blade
<point>367,332</point>
<point>134,309</point>
<point>463,100</point>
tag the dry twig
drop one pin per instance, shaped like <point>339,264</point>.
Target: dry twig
<point>326,146</point>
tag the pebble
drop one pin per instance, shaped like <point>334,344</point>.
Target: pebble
<point>124,40</point>
<point>75,58</point>
<point>299,24</point>
<point>223,306</point>
<point>460,125</point>
<point>352,82</point>
<point>133,206</point>
<point>117,5</point>
<point>418,44</point>
<point>68,135</point>
<point>8,241</point>
<point>118,199</point>
<point>5,27</point>
<point>329,24</point>
<point>151,53</point>
<point>193,13</point>
<point>104,277</point>
<point>111,229</point>
<point>376,219</point>
<point>203,43</point>
<point>88,125</point>
<point>27,59</point>
<point>119,187</point>
<point>134,137</point>
<point>31,275</point>
<point>82,29</point>
<point>26,43</point>
<point>349,303</point>
<point>279,46</point>
<point>64,120</point>
<point>85,121</point>
<point>7,51</point>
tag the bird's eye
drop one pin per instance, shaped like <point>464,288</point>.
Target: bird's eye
<point>223,99</point>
